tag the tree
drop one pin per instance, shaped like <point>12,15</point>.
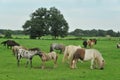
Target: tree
<point>58,25</point>
<point>118,34</point>
<point>44,22</point>
<point>111,33</point>
<point>77,32</point>
<point>8,34</point>
<point>37,26</point>
<point>101,33</point>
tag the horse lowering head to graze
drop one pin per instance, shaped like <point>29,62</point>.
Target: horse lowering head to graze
<point>56,46</point>
<point>4,43</point>
<point>48,56</point>
<point>69,51</point>
<point>10,43</point>
<point>28,54</point>
<point>94,55</point>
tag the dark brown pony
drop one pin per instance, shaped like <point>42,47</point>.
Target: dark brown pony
<point>10,43</point>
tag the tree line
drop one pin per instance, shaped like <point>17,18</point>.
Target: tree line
<point>94,33</point>
<point>76,32</point>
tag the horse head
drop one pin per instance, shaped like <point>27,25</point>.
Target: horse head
<point>101,62</point>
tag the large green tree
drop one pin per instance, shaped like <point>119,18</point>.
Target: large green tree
<point>44,22</point>
<point>58,25</point>
<point>37,25</point>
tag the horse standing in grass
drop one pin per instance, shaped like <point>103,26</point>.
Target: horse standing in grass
<point>56,46</point>
<point>94,55</point>
<point>89,43</point>
<point>28,54</point>
<point>50,56</point>
<point>10,43</point>
<point>69,51</point>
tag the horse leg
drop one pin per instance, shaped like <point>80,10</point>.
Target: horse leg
<point>27,63</point>
<point>65,57</point>
<point>18,62</point>
<point>73,63</point>
<point>31,62</point>
<point>55,62</point>
<point>76,63</point>
<point>92,64</point>
<point>43,64</point>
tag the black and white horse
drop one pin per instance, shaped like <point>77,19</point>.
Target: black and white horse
<point>28,54</point>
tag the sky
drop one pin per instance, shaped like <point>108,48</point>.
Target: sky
<point>80,14</point>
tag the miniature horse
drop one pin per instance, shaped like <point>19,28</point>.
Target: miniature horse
<point>55,46</point>
<point>10,43</point>
<point>28,54</point>
<point>48,56</point>
<point>89,43</point>
<point>86,55</point>
<point>69,51</point>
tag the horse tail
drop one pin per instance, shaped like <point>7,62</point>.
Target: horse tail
<point>56,59</point>
<point>65,54</point>
<point>51,49</point>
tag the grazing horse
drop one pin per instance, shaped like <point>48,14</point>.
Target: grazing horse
<point>69,51</point>
<point>46,57</point>
<point>10,43</point>
<point>56,46</point>
<point>28,54</point>
<point>94,55</point>
<point>4,43</point>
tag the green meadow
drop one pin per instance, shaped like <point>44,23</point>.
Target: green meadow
<point>107,46</point>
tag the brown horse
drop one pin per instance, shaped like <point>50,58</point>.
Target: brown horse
<point>94,55</point>
<point>10,43</point>
<point>91,42</point>
<point>48,56</point>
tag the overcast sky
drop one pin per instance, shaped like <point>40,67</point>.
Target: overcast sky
<point>82,14</point>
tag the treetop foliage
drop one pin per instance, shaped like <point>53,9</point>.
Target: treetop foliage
<point>46,21</point>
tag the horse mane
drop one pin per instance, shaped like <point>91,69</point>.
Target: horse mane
<point>34,49</point>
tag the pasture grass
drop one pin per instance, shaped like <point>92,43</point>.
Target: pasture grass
<point>10,71</point>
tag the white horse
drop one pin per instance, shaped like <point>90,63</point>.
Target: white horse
<point>69,51</point>
<point>86,55</point>
<point>28,54</point>
<point>48,56</point>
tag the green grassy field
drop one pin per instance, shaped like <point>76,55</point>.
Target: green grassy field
<point>10,71</point>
